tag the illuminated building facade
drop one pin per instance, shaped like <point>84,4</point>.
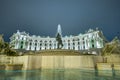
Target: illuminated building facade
<point>92,39</point>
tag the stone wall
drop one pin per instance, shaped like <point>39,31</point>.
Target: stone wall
<point>57,62</point>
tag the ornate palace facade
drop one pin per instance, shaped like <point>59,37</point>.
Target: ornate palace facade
<point>92,39</point>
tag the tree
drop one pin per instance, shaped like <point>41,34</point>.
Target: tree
<point>5,48</point>
<point>8,51</point>
<point>112,47</point>
<point>59,40</point>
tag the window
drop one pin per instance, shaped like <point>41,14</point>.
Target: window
<point>35,40</point>
<point>21,46</point>
<point>78,47</point>
<point>92,41</point>
<point>30,40</point>
<point>83,42</point>
<point>40,44</point>
<point>82,38</point>
<point>45,44</point>
<point>35,44</point>
<point>41,41</point>
<point>29,48</point>
<point>68,44</point>
<point>73,43</point>
<point>69,47</point>
<point>92,45</point>
<point>83,47</point>
<point>35,48</point>
<point>30,44</point>
<point>21,42</point>
<point>22,38</point>
<point>73,40</point>
<point>68,40</point>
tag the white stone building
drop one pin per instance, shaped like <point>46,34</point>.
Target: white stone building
<point>92,39</point>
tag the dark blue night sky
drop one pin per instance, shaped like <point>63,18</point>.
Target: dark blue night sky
<point>41,17</point>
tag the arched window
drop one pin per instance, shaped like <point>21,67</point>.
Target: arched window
<point>36,41</point>
<point>78,47</point>
<point>92,45</point>
<point>40,44</point>
<point>21,42</point>
<point>68,40</point>
<point>22,38</point>
<point>30,48</point>
<point>30,43</point>
<point>21,45</point>
<point>73,43</point>
<point>50,44</point>
<point>73,40</point>
<point>45,44</point>
<point>35,48</point>
<point>45,41</point>
<point>83,38</point>
<point>54,45</point>
<point>68,44</point>
<point>35,44</point>
<point>40,41</point>
<point>69,47</point>
<point>78,43</point>
<point>83,47</point>
<point>83,42</point>
<point>92,41</point>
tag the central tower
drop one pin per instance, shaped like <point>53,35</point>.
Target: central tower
<point>59,30</point>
